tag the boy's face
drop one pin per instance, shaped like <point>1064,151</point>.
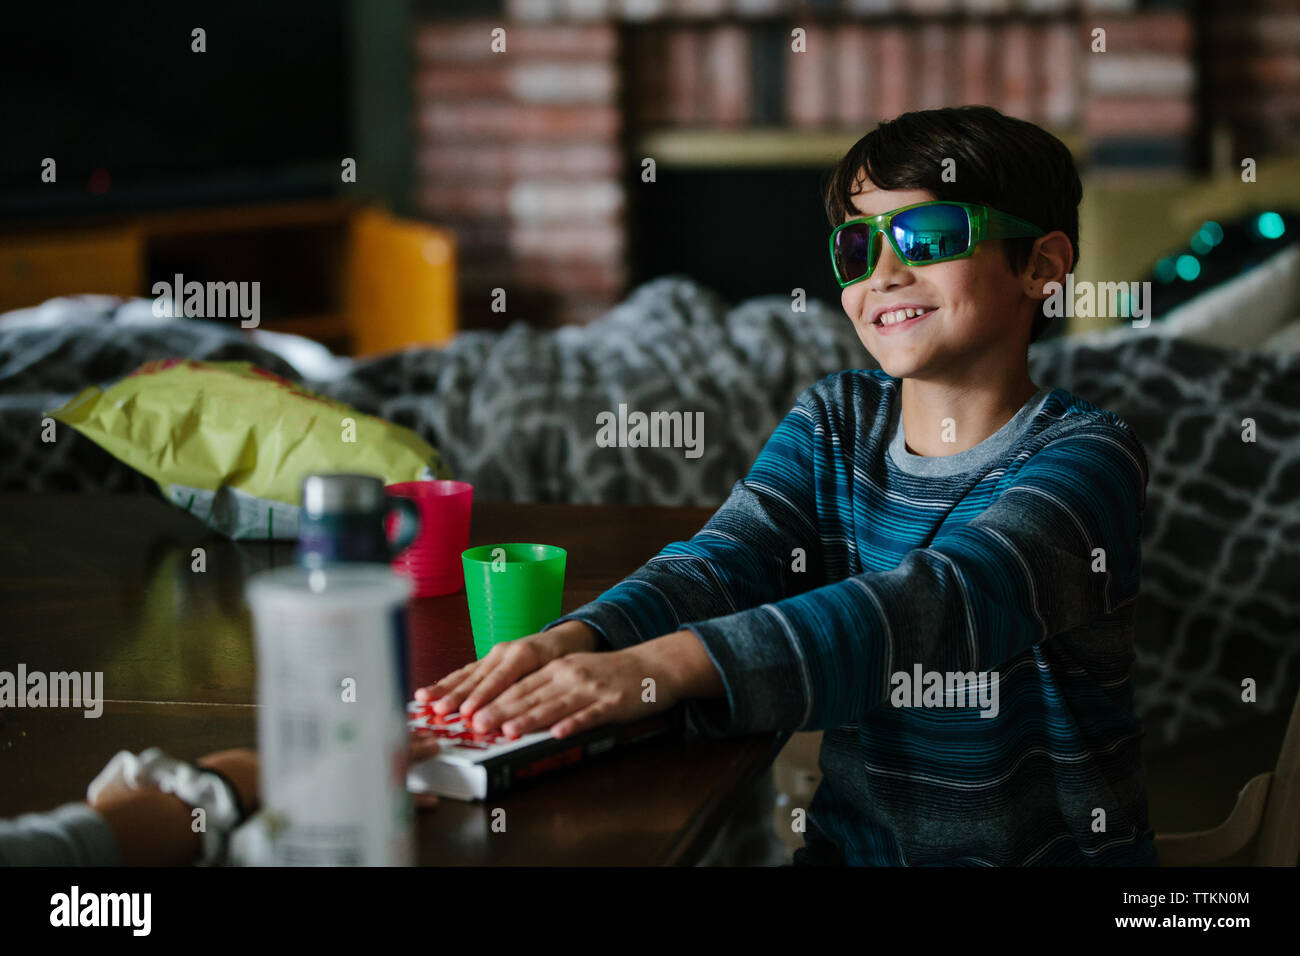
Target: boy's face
<point>981,318</point>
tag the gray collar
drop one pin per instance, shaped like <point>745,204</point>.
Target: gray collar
<point>985,453</point>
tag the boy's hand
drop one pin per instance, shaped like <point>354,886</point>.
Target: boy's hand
<point>581,691</point>
<point>478,683</point>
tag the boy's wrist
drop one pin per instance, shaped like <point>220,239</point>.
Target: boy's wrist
<point>679,664</point>
<point>573,637</point>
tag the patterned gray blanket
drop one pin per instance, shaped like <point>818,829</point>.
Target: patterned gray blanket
<point>516,414</point>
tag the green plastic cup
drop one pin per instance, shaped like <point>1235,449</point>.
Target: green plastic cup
<point>512,590</point>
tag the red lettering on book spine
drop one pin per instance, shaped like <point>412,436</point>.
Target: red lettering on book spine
<point>561,759</point>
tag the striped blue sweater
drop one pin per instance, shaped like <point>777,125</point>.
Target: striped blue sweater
<point>851,586</point>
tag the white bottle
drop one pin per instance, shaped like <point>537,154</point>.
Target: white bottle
<point>332,720</point>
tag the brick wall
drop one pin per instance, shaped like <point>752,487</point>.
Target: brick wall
<point>518,152</point>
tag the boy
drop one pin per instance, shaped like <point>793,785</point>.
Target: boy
<point>905,537</point>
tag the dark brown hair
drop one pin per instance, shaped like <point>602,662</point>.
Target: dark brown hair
<point>1001,162</point>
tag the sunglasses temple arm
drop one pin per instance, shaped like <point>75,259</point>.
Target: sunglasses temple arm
<point>1001,225</point>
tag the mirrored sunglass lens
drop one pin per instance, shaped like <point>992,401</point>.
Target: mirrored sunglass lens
<point>931,232</point>
<point>853,251</point>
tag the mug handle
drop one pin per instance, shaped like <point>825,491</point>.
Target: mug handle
<point>406,524</point>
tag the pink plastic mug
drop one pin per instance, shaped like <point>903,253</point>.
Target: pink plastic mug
<point>432,562</point>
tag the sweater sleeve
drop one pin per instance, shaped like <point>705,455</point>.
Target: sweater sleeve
<point>761,545</point>
<point>72,835</point>
<point>1059,547</point>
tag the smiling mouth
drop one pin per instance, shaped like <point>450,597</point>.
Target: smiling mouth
<point>901,317</point>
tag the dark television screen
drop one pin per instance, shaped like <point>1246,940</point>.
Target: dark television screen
<point>134,119</point>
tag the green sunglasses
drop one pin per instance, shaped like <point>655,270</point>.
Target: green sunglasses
<point>920,234</point>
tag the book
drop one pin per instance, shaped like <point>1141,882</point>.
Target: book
<point>474,766</point>
<point>1017,62</point>
<point>767,80</point>
<point>1059,70</point>
<point>975,56</point>
<point>893,78</point>
<point>936,55</point>
<point>854,103</point>
<point>682,76</point>
<point>726,76</point>
<point>808,99</point>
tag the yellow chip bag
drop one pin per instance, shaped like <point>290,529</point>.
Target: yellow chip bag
<point>231,442</point>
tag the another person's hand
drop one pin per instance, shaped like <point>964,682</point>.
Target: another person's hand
<point>476,684</point>
<point>153,828</point>
<point>239,766</point>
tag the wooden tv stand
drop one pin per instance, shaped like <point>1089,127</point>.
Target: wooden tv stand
<point>348,276</point>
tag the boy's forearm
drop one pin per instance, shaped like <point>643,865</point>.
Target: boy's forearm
<point>680,662</point>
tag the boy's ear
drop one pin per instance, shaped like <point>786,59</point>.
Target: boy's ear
<point>1050,261</point>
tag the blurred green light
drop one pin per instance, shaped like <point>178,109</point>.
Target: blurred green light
<point>1212,232</point>
<point>1188,268</point>
<point>1165,270</point>
<point>1201,245</point>
<point>1270,225</point>
<point>1123,301</point>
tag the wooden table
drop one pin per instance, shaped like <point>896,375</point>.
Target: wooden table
<point>102,582</point>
